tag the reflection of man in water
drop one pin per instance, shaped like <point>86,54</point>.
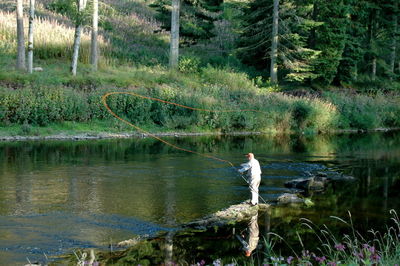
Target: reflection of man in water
<point>252,238</point>
<point>254,174</point>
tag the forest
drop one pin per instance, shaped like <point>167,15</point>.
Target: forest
<point>312,55</point>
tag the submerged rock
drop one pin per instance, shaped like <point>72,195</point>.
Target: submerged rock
<point>306,184</point>
<point>299,183</point>
<point>288,198</point>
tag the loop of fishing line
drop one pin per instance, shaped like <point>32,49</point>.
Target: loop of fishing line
<point>104,100</point>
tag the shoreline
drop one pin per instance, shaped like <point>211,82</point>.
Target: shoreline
<point>126,135</point>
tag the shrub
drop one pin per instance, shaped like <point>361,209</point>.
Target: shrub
<point>189,64</point>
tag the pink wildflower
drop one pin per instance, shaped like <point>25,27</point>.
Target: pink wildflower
<point>375,257</point>
<point>340,247</point>
<point>320,259</point>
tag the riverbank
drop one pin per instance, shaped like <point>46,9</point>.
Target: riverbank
<point>94,131</point>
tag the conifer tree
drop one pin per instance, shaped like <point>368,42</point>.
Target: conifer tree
<point>295,59</point>
<point>330,37</point>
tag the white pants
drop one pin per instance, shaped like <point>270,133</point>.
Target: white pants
<point>254,184</point>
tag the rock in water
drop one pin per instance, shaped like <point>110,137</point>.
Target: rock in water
<point>287,198</point>
<point>234,214</point>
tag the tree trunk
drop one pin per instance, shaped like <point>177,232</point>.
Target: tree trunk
<point>30,35</point>
<point>94,56</point>
<point>373,74</point>
<point>77,38</point>
<point>393,44</point>
<point>75,55</point>
<point>174,45</point>
<point>312,38</point>
<point>20,36</point>
<point>274,45</point>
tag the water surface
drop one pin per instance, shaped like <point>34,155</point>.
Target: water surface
<point>57,196</point>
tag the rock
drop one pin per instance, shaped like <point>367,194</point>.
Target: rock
<point>317,182</point>
<point>321,174</point>
<point>38,69</point>
<point>316,185</point>
<point>129,242</point>
<point>235,213</point>
<point>334,176</point>
<point>288,198</point>
<point>300,183</point>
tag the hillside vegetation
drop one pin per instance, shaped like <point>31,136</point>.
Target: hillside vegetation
<point>134,55</point>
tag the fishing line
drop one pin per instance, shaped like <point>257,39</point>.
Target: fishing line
<point>104,100</point>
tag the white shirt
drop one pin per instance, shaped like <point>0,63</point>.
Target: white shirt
<point>252,166</point>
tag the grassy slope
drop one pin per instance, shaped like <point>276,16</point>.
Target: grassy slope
<point>133,57</point>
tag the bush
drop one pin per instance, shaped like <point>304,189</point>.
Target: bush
<point>365,112</point>
<point>189,64</point>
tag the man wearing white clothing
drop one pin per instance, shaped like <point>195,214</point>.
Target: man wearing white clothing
<point>254,176</point>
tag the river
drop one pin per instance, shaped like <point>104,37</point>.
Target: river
<point>58,196</point>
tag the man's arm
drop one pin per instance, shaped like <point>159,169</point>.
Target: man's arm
<point>244,167</point>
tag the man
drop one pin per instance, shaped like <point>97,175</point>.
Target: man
<point>254,176</point>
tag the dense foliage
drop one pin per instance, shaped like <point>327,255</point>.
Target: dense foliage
<point>341,41</point>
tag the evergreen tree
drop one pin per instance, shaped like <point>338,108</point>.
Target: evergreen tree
<point>330,37</point>
<point>295,59</point>
<point>354,50</point>
<point>196,17</point>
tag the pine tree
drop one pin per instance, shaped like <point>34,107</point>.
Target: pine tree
<point>196,18</point>
<point>353,54</point>
<point>330,37</point>
<point>295,58</point>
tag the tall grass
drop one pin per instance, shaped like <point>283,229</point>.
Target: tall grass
<point>52,39</point>
<point>365,111</point>
<point>351,248</point>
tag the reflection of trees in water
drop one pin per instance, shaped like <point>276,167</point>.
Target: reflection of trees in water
<point>373,146</point>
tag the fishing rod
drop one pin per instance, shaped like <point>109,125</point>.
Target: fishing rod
<point>104,101</point>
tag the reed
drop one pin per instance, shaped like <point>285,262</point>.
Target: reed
<point>351,248</point>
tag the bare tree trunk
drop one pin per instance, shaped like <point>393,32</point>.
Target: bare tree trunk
<point>20,36</point>
<point>77,38</point>
<point>75,55</point>
<point>394,43</point>
<point>174,45</point>
<point>373,74</point>
<point>30,35</point>
<point>94,56</point>
<point>274,45</point>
